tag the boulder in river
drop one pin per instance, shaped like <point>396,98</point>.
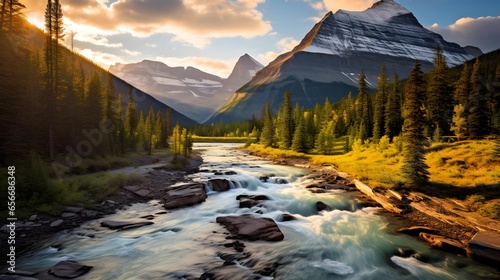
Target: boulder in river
<point>444,243</point>
<point>184,195</point>
<point>246,227</point>
<point>69,269</point>
<point>220,185</point>
<point>249,201</point>
<point>485,247</point>
<point>320,206</point>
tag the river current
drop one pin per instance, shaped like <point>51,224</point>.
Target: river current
<point>356,244</point>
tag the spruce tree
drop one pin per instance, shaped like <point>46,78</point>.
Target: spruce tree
<point>393,110</point>
<point>363,108</point>
<point>462,87</point>
<point>159,129</point>
<point>286,123</point>
<point>267,136</point>
<point>478,110</point>
<point>439,99</point>
<point>299,142</point>
<point>414,167</point>
<point>380,103</point>
<point>149,130</point>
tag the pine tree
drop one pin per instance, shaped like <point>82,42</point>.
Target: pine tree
<point>439,101</point>
<point>462,88</point>
<point>414,167</point>
<point>11,14</point>
<point>267,136</point>
<point>149,130</point>
<point>176,142</point>
<point>299,142</point>
<point>380,103</point>
<point>286,123</point>
<point>140,131</point>
<point>459,122</point>
<point>159,130</point>
<point>121,134</point>
<point>167,126</point>
<point>393,110</point>
<point>363,107</point>
<point>478,111</point>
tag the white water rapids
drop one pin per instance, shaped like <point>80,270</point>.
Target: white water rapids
<point>184,242</point>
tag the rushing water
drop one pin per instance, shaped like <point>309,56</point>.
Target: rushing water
<point>329,245</point>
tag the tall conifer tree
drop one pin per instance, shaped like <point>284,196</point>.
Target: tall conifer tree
<point>414,167</point>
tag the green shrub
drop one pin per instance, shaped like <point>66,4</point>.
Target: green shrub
<point>475,201</point>
<point>490,209</point>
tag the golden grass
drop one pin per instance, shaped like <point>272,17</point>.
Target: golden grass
<point>465,164</point>
<point>461,164</point>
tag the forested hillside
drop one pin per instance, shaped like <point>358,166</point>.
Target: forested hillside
<point>56,102</point>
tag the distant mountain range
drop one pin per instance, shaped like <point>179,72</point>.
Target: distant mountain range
<point>194,93</point>
<point>328,60</point>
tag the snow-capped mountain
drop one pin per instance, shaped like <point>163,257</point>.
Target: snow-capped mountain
<point>192,92</point>
<point>328,60</point>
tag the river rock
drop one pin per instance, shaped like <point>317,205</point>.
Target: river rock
<point>320,206</point>
<point>123,224</point>
<point>287,217</point>
<point>184,195</point>
<point>56,223</point>
<point>220,185</point>
<point>444,243</point>
<point>485,247</point>
<point>68,215</point>
<point>16,277</point>
<point>33,218</point>
<point>416,230</point>
<point>138,191</point>
<point>74,209</point>
<point>249,201</point>
<point>69,269</point>
<point>230,173</point>
<point>246,227</point>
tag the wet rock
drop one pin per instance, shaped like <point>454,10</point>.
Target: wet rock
<point>148,217</point>
<point>230,173</point>
<point>56,223</point>
<point>20,274</point>
<point>485,247</point>
<point>249,201</point>
<point>69,269</point>
<point>263,178</point>
<point>220,185</point>
<point>253,197</point>
<point>320,206</point>
<point>33,218</point>
<point>404,252</point>
<point>89,213</point>
<point>246,227</point>
<point>444,243</point>
<point>184,195</point>
<point>124,224</point>
<point>287,217</point>
<point>238,246</point>
<point>416,230</point>
<point>218,173</point>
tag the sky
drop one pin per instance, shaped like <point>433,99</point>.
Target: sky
<point>212,34</point>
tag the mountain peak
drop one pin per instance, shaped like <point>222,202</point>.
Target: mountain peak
<point>379,12</point>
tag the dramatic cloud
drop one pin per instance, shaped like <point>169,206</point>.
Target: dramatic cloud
<point>101,58</point>
<point>349,5</point>
<point>221,68</point>
<point>194,22</point>
<point>482,32</point>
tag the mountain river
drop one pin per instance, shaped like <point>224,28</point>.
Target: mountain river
<point>184,243</point>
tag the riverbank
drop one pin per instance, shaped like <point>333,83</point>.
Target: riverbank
<point>158,173</point>
<point>448,217</point>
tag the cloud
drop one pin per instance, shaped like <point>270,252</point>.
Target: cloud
<point>101,58</point>
<point>349,5</point>
<point>284,45</point>
<point>129,52</point>
<point>221,68</point>
<point>482,32</point>
<point>193,22</point>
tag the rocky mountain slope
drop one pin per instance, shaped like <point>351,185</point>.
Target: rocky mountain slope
<point>328,60</point>
<point>191,91</point>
